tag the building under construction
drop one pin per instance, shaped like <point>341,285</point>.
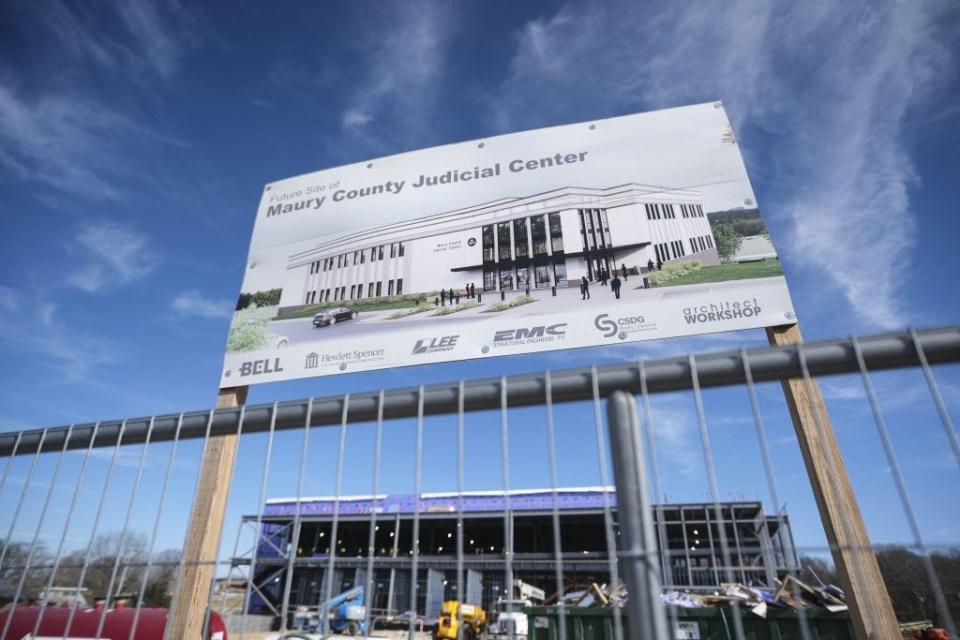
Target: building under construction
<point>689,535</point>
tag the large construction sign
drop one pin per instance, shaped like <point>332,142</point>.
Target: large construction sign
<point>618,230</point>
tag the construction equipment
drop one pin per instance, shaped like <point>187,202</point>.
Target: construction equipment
<point>453,613</point>
<point>511,612</point>
<point>346,612</point>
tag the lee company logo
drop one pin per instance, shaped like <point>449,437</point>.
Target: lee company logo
<point>528,335</point>
<point>719,311</point>
<point>622,327</point>
<point>435,345</point>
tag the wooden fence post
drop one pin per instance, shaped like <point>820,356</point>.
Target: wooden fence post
<point>205,527</point>
<point>870,608</point>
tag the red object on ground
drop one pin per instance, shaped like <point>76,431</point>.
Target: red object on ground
<point>116,626</point>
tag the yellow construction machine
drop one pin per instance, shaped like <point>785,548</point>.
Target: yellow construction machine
<point>453,614</point>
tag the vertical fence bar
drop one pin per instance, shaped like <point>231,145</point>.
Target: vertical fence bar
<point>36,535</point>
<point>937,397</point>
<point>183,554</point>
<point>870,608</point>
<point>611,538</point>
<point>555,511</point>
<point>461,596</point>
<point>156,529</point>
<point>715,493</point>
<point>295,530</point>
<point>10,459</point>
<point>941,603</point>
<point>853,554</point>
<point>96,526</point>
<point>66,526</point>
<point>23,496</point>
<point>415,542</point>
<point>658,493</point>
<point>108,596</point>
<point>507,509</point>
<point>372,541</point>
<point>261,507</point>
<point>335,526</point>
<point>638,547</point>
<point>215,562</point>
<point>805,631</point>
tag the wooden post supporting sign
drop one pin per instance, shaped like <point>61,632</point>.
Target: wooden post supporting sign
<point>870,608</point>
<point>206,524</point>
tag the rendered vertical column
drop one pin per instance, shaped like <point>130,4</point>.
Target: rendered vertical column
<point>870,608</point>
<point>641,563</point>
<point>206,523</point>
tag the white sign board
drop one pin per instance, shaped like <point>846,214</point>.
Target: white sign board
<point>588,234</point>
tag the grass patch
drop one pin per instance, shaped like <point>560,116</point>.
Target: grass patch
<point>409,312</point>
<point>516,302</point>
<point>248,330</point>
<point>445,311</point>
<point>730,271</point>
<point>383,303</point>
<point>674,271</point>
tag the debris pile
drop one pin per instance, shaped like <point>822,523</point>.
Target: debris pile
<point>791,593</point>
<point>596,595</point>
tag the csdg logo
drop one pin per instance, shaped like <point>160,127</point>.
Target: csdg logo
<point>529,335</point>
<point>435,345</point>
<point>621,327</point>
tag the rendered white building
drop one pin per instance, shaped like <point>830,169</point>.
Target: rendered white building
<point>536,242</point>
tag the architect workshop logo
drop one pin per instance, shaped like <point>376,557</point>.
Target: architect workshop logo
<point>622,327</point>
<point>719,311</point>
<point>435,345</point>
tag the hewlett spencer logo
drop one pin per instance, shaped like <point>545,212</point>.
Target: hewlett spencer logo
<point>435,345</point>
<point>719,311</point>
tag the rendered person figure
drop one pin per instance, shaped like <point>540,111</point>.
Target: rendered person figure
<point>615,285</point>
<point>623,270</point>
<point>584,288</point>
<point>650,265</point>
<point>443,297</point>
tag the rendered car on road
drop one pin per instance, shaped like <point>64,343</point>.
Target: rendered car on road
<point>330,317</point>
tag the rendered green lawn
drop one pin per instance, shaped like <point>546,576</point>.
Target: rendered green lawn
<point>731,271</point>
<point>372,304</point>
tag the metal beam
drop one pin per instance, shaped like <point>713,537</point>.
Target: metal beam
<point>662,375</point>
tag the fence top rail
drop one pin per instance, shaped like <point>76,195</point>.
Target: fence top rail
<point>829,357</point>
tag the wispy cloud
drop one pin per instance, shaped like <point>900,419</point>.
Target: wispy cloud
<point>152,40</point>
<point>404,59</point>
<point>111,255</point>
<point>34,328</point>
<point>61,141</point>
<point>834,84</point>
<point>193,303</point>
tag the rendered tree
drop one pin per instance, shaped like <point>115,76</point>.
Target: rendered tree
<point>727,239</point>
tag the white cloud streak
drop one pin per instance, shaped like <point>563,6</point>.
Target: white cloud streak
<point>404,58</point>
<point>154,38</point>
<point>192,303</point>
<point>111,255</point>
<point>833,85</point>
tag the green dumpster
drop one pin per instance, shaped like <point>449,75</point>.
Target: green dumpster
<point>713,623</point>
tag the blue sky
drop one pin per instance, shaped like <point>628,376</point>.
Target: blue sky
<point>135,139</point>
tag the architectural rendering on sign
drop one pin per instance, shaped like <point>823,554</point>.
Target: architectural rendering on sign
<point>631,228</point>
<point>551,239</point>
